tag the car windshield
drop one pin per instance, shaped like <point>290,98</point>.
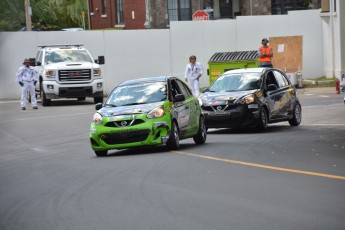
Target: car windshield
<point>142,93</point>
<point>236,82</point>
<point>67,56</point>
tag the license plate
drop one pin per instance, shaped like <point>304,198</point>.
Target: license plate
<point>214,103</point>
<point>122,117</point>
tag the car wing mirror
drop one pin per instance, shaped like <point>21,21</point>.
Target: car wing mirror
<point>98,106</point>
<point>100,60</point>
<point>179,97</point>
<point>272,87</point>
<point>205,90</point>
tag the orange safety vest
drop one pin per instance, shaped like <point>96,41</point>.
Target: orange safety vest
<point>265,50</point>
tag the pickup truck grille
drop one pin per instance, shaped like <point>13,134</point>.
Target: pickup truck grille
<point>74,75</point>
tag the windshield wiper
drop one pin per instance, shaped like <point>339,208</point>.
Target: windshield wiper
<point>134,103</point>
<point>110,105</point>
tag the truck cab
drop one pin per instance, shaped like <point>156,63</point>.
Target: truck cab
<point>68,71</point>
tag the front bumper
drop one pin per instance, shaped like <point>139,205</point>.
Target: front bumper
<point>54,90</point>
<point>106,136</point>
<point>241,115</point>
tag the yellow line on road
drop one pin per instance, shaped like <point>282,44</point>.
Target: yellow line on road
<point>262,166</point>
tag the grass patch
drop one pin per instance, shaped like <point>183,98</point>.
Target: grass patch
<point>318,82</point>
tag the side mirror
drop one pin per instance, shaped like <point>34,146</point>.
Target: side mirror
<point>32,61</point>
<point>205,90</point>
<point>100,60</point>
<point>98,106</point>
<point>272,87</point>
<point>179,97</point>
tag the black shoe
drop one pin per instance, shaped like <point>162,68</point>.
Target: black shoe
<point>35,107</point>
<point>23,108</point>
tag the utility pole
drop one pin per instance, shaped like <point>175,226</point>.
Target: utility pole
<point>28,13</point>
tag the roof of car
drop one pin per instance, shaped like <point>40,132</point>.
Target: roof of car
<point>246,70</point>
<point>146,79</point>
<point>61,46</point>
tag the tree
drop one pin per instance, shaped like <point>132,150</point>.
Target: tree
<point>46,15</point>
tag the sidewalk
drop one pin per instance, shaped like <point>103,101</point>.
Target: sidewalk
<point>320,90</point>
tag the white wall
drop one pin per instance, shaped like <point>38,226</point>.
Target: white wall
<point>131,54</point>
<point>333,37</point>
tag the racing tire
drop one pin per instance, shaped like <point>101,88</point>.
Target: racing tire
<point>297,115</point>
<point>263,120</point>
<point>200,137</point>
<point>98,100</point>
<point>102,153</point>
<point>173,142</point>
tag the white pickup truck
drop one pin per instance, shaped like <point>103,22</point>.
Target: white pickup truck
<point>68,71</point>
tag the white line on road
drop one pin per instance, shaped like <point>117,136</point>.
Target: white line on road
<point>35,118</point>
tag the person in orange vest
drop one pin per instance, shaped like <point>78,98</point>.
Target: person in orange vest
<point>265,54</point>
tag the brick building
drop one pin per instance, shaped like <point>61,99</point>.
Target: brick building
<point>156,14</point>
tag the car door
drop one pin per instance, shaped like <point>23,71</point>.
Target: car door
<point>273,97</point>
<point>181,109</point>
<point>194,108</point>
<point>288,94</point>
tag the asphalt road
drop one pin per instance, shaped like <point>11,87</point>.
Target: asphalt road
<point>286,178</point>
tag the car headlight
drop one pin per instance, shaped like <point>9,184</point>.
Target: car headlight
<point>97,72</point>
<point>97,119</point>
<point>249,99</point>
<point>50,73</point>
<point>156,112</point>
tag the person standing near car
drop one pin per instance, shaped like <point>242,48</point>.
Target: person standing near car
<point>265,54</point>
<point>193,72</point>
<point>27,78</point>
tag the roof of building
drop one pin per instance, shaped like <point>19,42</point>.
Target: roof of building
<point>234,56</point>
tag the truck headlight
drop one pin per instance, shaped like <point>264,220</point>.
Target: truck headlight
<point>50,73</point>
<point>249,99</point>
<point>97,72</point>
<point>156,112</point>
<point>97,119</point>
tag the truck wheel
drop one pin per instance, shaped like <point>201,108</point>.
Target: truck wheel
<point>98,100</point>
<point>45,101</point>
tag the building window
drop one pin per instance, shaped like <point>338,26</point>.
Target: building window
<point>179,10</point>
<point>119,12</point>
<point>283,6</point>
<point>104,7</point>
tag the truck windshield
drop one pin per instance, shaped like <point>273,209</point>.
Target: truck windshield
<point>67,56</point>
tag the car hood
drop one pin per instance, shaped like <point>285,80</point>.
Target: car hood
<point>72,65</point>
<point>224,96</point>
<point>131,109</point>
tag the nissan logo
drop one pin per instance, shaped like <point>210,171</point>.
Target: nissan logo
<point>123,123</point>
<point>219,107</point>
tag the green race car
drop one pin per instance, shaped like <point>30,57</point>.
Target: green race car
<point>146,112</point>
